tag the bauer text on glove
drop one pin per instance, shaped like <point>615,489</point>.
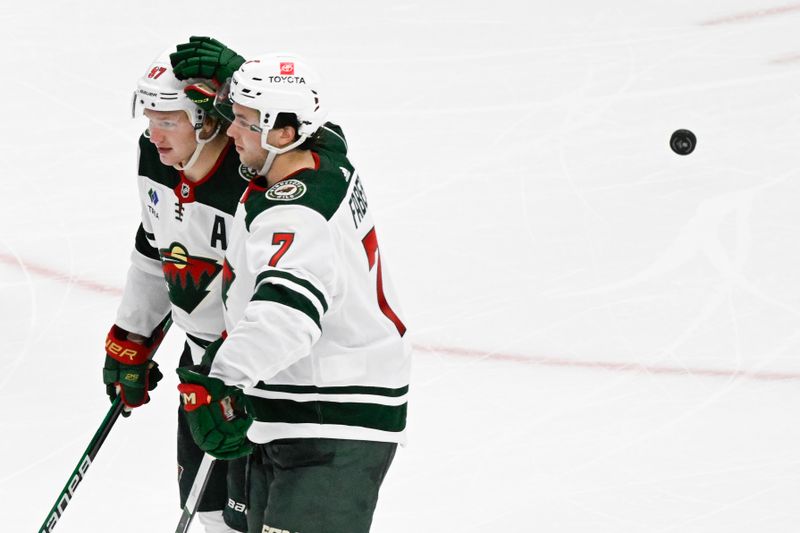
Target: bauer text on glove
<point>128,367</point>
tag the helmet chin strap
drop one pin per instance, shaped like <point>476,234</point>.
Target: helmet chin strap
<point>274,151</point>
<point>271,155</point>
<point>199,148</point>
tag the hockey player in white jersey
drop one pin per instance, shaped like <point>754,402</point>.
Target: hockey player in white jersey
<point>190,181</point>
<point>313,373</point>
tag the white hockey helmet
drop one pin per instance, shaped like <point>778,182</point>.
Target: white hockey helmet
<point>274,84</point>
<point>158,89</point>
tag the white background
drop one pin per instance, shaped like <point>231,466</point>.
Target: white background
<point>606,333</point>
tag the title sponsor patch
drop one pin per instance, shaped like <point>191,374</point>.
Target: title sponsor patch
<point>286,190</point>
<point>287,79</point>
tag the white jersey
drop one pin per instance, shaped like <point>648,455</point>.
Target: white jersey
<point>180,245</point>
<point>314,331</point>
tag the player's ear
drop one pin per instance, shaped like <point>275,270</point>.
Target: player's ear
<point>209,126</point>
<point>288,134</point>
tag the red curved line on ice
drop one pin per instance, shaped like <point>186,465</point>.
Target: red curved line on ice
<point>93,286</point>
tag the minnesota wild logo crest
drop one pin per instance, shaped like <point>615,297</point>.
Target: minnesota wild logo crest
<point>247,172</point>
<point>187,276</point>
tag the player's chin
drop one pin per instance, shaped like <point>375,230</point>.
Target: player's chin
<point>252,162</point>
<point>168,159</point>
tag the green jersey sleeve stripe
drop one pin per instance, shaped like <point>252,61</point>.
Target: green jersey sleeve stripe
<point>198,341</point>
<point>143,245</point>
<point>311,389</point>
<point>294,279</point>
<point>282,294</point>
<point>381,417</point>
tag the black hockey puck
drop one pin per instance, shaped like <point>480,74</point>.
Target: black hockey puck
<point>683,142</point>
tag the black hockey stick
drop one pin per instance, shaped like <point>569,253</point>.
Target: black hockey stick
<point>83,465</point>
<point>196,492</point>
<point>68,492</point>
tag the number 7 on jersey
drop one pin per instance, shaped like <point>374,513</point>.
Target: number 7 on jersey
<point>285,241</point>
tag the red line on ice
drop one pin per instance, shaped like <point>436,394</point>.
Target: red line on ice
<point>752,15</point>
<point>93,286</point>
<point>608,365</point>
<point>49,273</point>
<point>791,58</point>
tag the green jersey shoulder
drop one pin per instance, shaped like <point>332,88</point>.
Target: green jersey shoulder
<point>322,188</point>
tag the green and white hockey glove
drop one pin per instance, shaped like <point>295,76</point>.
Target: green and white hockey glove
<point>128,370</point>
<point>215,413</point>
<point>204,57</point>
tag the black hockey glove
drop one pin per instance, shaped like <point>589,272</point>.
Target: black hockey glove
<point>205,57</point>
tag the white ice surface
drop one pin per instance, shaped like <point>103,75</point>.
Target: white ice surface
<point>607,333</point>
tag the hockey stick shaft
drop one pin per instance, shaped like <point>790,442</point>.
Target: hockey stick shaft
<point>196,492</point>
<point>67,493</point>
<point>83,465</point>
